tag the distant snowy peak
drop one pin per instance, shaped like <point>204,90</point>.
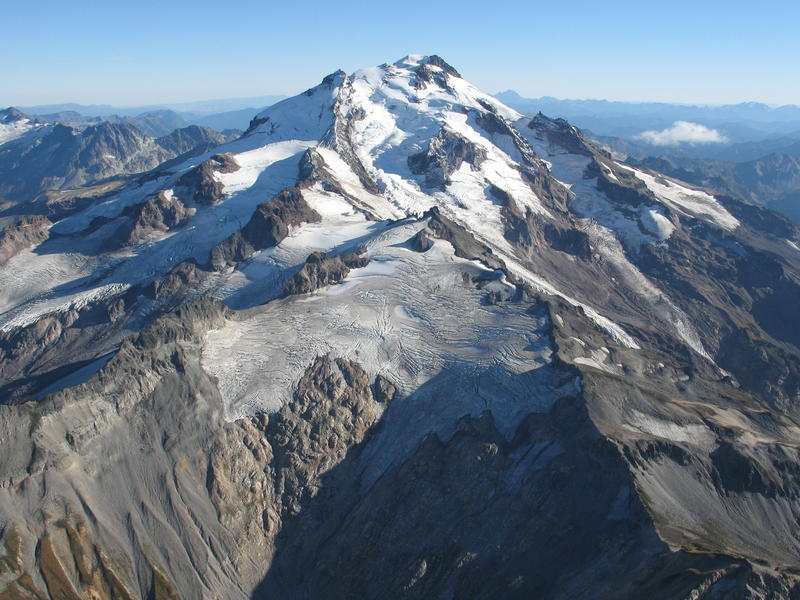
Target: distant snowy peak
<point>12,115</point>
<point>434,60</point>
<point>13,124</point>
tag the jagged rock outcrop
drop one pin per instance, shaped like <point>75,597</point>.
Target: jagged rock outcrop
<point>178,282</point>
<point>270,223</point>
<point>238,480</point>
<point>157,214</point>
<point>35,356</point>
<point>426,75</point>
<point>321,270</point>
<point>420,241</point>
<point>444,156</point>
<point>464,244</point>
<point>313,169</point>
<point>200,186</point>
<point>339,136</point>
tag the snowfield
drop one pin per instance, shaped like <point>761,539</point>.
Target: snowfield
<point>253,163</point>
<point>15,129</point>
<point>407,315</point>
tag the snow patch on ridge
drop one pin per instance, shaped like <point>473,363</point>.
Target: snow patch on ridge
<point>15,129</point>
<point>689,202</point>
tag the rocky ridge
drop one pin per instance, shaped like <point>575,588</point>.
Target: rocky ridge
<point>57,156</point>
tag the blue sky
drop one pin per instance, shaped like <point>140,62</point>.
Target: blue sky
<point>131,53</point>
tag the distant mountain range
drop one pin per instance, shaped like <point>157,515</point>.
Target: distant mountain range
<point>160,119</point>
<point>738,122</point>
<point>200,107</point>
<point>730,151</point>
<point>38,156</point>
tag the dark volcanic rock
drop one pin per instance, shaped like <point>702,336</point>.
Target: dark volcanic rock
<point>464,243</point>
<point>445,154</point>
<point>561,134</point>
<point>568,239</point>
<point>425,75</point>
<point>199,183</point>
<point>527,229</point>
<point>313,169</point>
<point>270,223</point>
<point>438,61</point>
<point>158,214</point>
<point>383,390</point>
<point>625,189</point>
<point>26,232</point>
<point>180,280</point>
<point>420,242</point>
<point>495,125</point>
<point>320,270</point>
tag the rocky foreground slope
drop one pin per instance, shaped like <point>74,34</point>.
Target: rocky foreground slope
<point>401,341</point>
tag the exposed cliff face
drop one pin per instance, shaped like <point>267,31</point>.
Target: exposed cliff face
<point>69,346</point>
<point>490,546</point>
<point>445,155</point>
<point>227,485</point>
<point>24,233</point>
<point>339,137</point>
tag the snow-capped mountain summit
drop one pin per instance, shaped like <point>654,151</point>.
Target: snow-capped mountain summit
<point>14,123</point>
<point>394,300</point>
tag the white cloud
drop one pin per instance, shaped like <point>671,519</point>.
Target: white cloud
<point>683,132</point>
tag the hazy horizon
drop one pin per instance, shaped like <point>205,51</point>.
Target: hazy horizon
<point>190,101</point>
